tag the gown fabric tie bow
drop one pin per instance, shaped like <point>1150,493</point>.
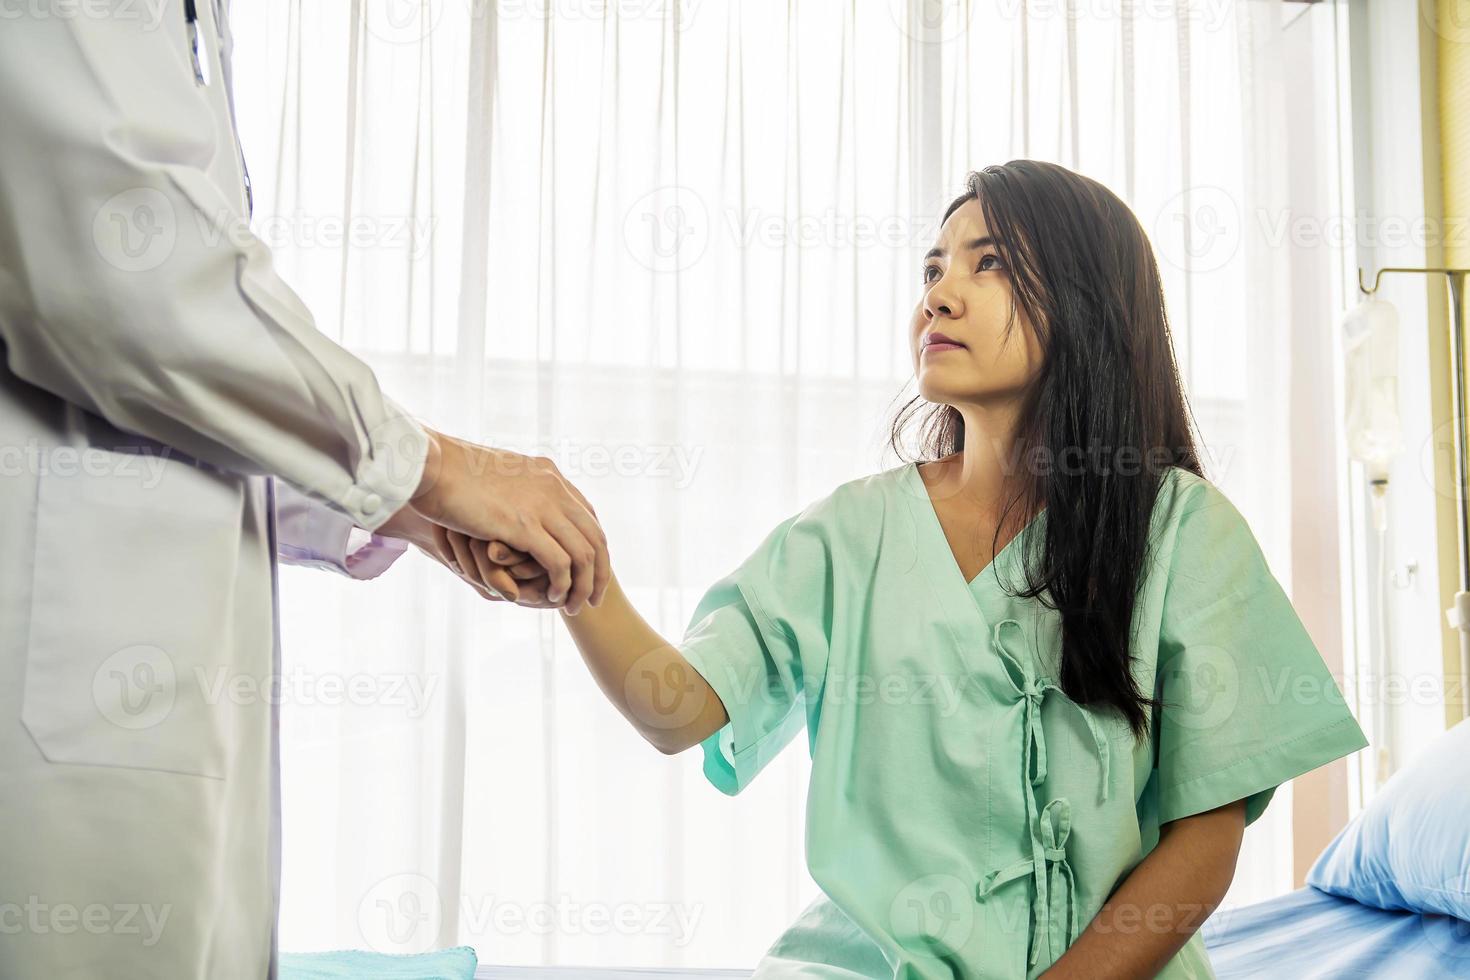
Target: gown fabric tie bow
<point>1055,900</point>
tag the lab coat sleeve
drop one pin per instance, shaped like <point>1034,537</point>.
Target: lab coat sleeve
<point>1249,702</point>
<point>311,533</point>
<point>760,638</point>
<point>131,286</point>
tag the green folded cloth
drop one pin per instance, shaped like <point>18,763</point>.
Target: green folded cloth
<point>455,963</point>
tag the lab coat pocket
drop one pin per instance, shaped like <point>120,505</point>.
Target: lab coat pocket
<point>130,612</point>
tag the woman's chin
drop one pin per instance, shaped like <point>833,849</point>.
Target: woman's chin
<point>944,387</point>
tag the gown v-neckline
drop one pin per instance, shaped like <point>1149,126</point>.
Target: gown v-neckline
<point>938,526</point>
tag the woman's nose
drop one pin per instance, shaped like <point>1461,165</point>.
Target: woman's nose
<point>941,303</point>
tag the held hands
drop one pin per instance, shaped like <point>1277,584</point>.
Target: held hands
<point>408,525</point>
<point>526,535</point>
<point>509,525</point>
<point>498,571</point>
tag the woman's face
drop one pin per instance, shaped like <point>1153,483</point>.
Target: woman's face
<point>957,335</point>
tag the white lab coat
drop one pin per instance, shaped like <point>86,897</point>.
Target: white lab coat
<point>139,813</point>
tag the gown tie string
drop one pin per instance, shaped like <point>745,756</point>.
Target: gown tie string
<point>1055,901</point>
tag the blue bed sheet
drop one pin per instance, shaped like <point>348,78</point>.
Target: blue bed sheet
<point>1303,935</point>
<point>1310,935</point>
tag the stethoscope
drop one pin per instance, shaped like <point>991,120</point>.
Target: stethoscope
<point>201,77</point>
<point>191,21</point>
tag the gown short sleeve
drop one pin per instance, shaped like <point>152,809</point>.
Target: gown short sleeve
<point>1249,703</point>
<point>760,638</point>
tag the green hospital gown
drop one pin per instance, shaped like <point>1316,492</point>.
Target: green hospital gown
<point>965,818</point>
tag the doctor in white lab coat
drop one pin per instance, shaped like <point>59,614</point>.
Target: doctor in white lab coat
<point>170,422</point>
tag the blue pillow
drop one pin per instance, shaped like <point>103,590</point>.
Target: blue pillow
<point>1410,847</point>
<point>455,963</point>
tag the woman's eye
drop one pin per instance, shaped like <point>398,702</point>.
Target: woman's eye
<point>931,272</point>
<point>988,256</point>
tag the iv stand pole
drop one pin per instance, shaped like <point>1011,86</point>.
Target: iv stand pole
<point>1458,614</point>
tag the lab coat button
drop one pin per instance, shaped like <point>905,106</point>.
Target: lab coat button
<point>371,503</point>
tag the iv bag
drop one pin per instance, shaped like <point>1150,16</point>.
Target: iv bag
<point>1370,340</point>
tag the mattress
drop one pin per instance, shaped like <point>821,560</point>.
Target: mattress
<point>1304,935</point>
<point>1310,935</point>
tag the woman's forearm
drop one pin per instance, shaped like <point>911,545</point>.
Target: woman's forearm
<point>643,675</point>
<point>1162,901</point>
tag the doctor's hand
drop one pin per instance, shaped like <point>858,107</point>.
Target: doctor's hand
<point>408,525</point>
<point>523,502</point>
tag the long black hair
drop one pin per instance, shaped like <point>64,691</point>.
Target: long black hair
<point>1106,414</point>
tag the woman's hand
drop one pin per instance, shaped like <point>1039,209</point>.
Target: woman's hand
<point>500,566</point>
<point>1162,902</point>
<point>408,525</point>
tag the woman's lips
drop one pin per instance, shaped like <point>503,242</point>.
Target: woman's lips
<point>936,342</point>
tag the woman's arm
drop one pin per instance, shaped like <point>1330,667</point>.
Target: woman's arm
<point>644,675</point>
<point>1162,901</point>
<point>660,693</point>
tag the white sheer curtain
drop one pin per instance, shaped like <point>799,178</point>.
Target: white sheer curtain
<point>674,245</point>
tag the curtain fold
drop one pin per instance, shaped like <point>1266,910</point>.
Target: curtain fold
<point>674,245</point>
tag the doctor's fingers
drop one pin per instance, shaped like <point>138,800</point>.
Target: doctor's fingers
<point>566,539</point>
<point>581,497</point>
<point>588,523</point>
<point>602,574</point>
<point>590,573</point>
<point>588,551</point>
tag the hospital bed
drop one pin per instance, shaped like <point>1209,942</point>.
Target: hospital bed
<point>1311,935</point>
<point>1304,935</point>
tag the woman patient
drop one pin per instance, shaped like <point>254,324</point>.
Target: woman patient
<point>1045,673</point>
